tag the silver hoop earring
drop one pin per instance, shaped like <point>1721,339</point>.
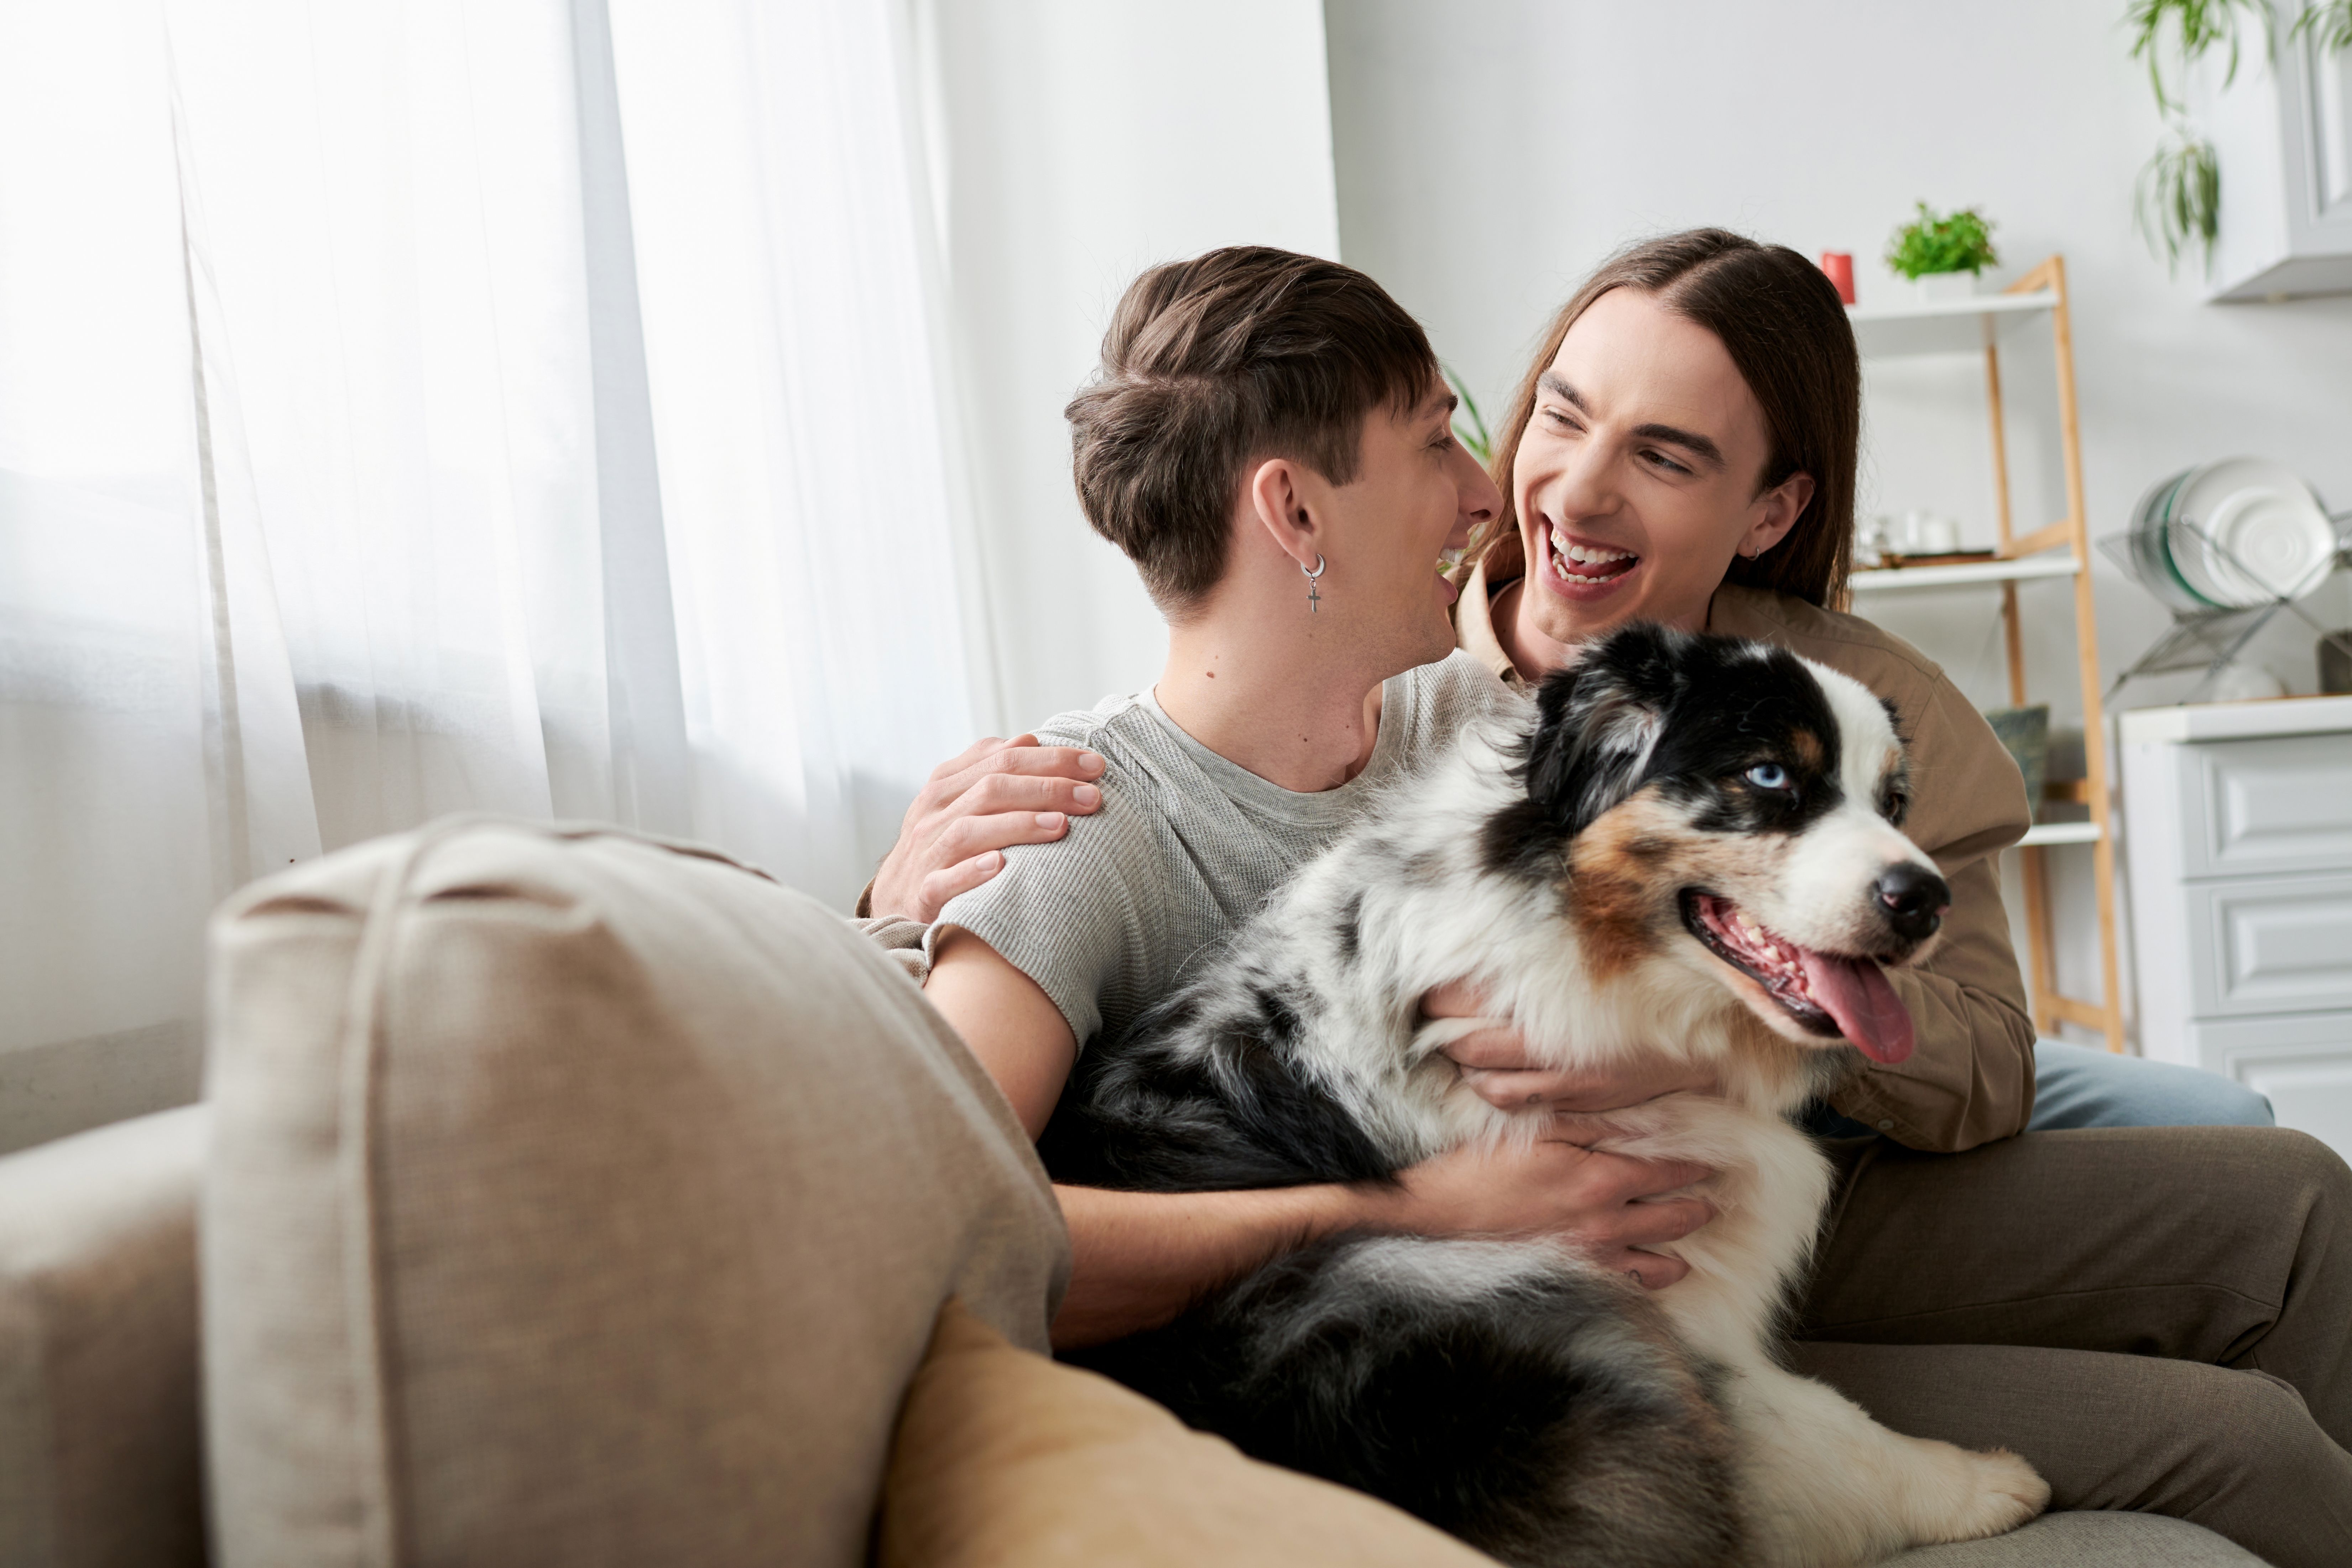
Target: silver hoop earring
<point>1314,596</point>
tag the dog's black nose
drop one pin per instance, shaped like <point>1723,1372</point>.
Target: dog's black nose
<point>1915,900</point>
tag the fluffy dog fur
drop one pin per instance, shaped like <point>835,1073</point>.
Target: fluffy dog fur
<point>1685,847</point>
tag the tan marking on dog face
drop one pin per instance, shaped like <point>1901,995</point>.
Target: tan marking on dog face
<point>1808,749</point>
<point>1626,871</point>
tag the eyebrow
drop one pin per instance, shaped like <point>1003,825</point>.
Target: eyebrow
<point>1444,405</point>
<point>1691,441</point>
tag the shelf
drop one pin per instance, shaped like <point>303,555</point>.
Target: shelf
<point>1942,327</point>
<point>1966,573</point>
<point>2044,833</point>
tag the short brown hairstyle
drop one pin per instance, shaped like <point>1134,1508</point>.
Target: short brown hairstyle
<point>1210,365</point>
<point>1780,318</point>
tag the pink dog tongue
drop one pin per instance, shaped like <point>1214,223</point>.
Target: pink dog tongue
<point>1855,993</point>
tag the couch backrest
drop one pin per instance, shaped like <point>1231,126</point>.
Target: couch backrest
<point>99,1453</point>
<point>577,1197</point>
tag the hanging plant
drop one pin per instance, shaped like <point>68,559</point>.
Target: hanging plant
<point>2328,25</point>
<point>2202,25</point>
<point>2179,197</point>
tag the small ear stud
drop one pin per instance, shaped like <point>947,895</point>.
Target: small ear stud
<point>1314,596</point>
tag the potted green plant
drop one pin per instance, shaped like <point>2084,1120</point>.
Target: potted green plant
<point>1943,255</point>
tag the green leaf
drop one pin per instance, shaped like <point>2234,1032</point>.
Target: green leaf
<point>1475,435</point>
<point>2328,25</point>
<point>1961,242</point>
<point>2199,27</point>
<point>2179,199</point>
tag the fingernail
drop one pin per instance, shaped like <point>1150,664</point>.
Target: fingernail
<point>1088,795</point>
<point>1090,761</point>
<point>1050,820</point>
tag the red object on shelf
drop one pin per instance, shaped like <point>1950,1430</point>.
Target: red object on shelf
<point>1838,265</point>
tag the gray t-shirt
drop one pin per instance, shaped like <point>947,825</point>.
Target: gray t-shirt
<point>1185,847</point>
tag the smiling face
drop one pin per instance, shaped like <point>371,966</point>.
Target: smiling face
<point>1416,493</point>
<point>1638,476</point>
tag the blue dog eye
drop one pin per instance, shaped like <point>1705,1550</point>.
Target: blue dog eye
<point>1768,775</point>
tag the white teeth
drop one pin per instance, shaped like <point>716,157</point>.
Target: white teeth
<point>1584,555</point>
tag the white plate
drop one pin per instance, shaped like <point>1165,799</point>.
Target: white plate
<point>2151,561</point>
<point>2274,538</point>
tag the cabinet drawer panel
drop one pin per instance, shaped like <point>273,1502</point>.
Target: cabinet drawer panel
<point>2279,945</point>
<point>2283,804</point>
<point>2310,1091</point>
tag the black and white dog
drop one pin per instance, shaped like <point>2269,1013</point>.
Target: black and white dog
<point>1686,846</point>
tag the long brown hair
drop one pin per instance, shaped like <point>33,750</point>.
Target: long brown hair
<point>1781,319</point>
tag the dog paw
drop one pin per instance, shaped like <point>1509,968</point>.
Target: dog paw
<point>2004,1492</point>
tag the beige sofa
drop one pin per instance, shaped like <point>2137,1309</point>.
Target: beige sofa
<point>565,1196</point>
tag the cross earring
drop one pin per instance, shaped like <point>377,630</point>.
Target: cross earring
<point>1314,598</point>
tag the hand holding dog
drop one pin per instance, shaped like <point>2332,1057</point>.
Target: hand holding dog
<point>1610,1207</point>
<point>995,793</point>
<point>1498,1068</point>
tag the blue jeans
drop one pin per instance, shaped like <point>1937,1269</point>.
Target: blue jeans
<point>2079,1086</point>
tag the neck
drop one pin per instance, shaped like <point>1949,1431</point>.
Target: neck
<point>1256,685</point>
<point>1534,652</point>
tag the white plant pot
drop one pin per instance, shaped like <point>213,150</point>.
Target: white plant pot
<point>1940,286</point>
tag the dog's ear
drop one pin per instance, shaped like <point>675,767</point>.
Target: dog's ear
<point>1597,724</point>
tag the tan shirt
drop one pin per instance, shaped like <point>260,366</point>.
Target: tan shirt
<point>1969,1079</point>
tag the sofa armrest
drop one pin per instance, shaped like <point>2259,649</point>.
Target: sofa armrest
<point>99,1431</point>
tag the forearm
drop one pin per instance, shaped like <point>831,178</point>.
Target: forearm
<point>1970,1078</point>
<point>1139,1258</point>
<point>1970,1081</point>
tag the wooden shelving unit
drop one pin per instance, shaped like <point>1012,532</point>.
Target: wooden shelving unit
<point>1976,326</point>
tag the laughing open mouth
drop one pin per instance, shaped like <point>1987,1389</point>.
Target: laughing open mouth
<point>1828,993</point>
<point>1587,563</point>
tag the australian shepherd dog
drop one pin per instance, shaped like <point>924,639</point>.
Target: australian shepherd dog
<point>1685,847</point>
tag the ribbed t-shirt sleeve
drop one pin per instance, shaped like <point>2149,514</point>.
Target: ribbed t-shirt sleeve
<point>1067,914</point>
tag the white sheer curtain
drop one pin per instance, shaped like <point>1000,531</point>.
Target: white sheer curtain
<point>425,407</point>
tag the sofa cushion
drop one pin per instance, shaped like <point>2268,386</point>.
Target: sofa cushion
<point>581,1198</point>
<point>98,1460</point>
<point>1007,1459</point>
<point>2090,1541</point>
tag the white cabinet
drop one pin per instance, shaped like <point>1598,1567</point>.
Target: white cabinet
<point>2282,131</point>
<point>2237,826</point>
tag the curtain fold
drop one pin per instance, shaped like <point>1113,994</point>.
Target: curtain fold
<point>428,407</point>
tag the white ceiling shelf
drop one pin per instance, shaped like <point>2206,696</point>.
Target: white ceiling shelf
<point>2060,833</point>
<point>1963,574</point>
<point>1942,326</point>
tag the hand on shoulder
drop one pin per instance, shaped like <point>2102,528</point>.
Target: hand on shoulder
<point>994,794</point>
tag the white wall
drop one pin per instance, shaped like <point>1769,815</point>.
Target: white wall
<point>1489,152</point>
<point>1078,142</point>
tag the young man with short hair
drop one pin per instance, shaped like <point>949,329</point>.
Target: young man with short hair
<point>1270,440</point>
